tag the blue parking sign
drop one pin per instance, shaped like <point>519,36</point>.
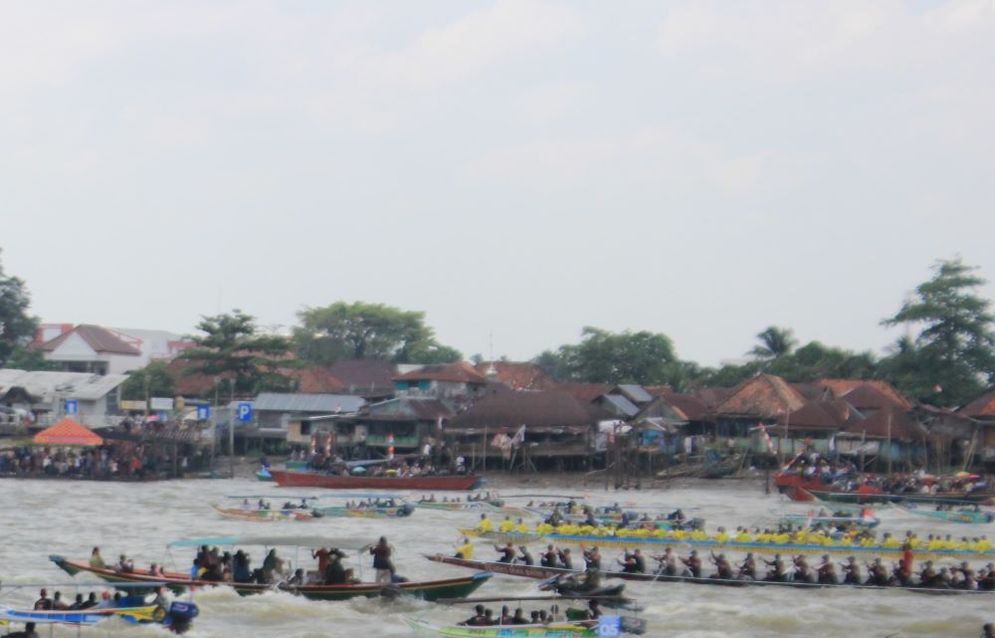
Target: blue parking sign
<point>609,626</point>
<point>72,406</point>
<point>244,412</point>
<point>203,412</point>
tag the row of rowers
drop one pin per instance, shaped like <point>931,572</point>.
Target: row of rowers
<point>780,536</point>
<point>901,574</point>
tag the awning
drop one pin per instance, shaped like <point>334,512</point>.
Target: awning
<point>67,432</point>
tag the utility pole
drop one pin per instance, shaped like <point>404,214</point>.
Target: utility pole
<point>231,429</point>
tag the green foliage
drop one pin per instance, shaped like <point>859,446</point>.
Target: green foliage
<point>16,325</point>
<point>231,348</point>
<point>23,358</point>
<point>362,330</point>
<point>153,380</point>
<point>774,342</point>
<point>816,361</point>
<point>952,359</point>
<point>605,357</point>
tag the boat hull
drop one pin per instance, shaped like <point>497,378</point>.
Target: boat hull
<point>557,630</point>
<point>285,478</point>
<point>427,590</point>
<point>536,572</point>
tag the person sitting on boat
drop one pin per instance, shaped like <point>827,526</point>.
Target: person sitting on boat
<point>967,579</point>
<point>485,525</point>
<point>507,553</point>
<point>592,557</point>
<point>519,617</point>
<point>564,557</point>
<point>851,572</point>
<point>297,579</point>
<point>548,558</point>
<point>506,617</point>
<point>246,505</point>
<point>927,575</point>
<point>693,564</point>
<point>525,556</point>
<point>476,620</point>
<point>723,570</point>
<point>78,603</point>
<point>125,565</point>
<point>986,579</point>
<point>91,601</point>
<point>43,602</point>
<point>534,618</point>
<point>666,563</point>
<point>988,631</point>
<point>826,571</point>
<point>748,568</point>
<point>334,573</point>
<point>163,597</point>
<point>877,574</point>
<point>96,560</point>
<point>776,572</point>
<point>943,580</point>
<point>58,603</point>
<point>507,525</point>
<point>29,632</point>
<point>802,571</point>
<point>465,549</point>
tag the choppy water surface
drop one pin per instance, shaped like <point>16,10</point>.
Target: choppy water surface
<point>43,517</point>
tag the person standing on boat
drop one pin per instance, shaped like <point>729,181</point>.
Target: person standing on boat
<point>322,555</point>
<point>96,560</point>
<point>381,553</point>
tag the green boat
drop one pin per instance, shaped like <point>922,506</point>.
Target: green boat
<point>954,516</point>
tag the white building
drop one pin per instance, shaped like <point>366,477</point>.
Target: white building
<point>98,350</point>
<point>45,394</point>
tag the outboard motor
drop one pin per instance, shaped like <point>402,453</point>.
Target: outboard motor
<point>180,616</point>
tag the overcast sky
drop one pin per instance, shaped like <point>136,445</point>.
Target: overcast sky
<point>702,169</point>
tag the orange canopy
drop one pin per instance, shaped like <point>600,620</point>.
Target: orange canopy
<point>67,432</point>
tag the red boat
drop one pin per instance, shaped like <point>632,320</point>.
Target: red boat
<point>801,488</point>
<point>285,478</point>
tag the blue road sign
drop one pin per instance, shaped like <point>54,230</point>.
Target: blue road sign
<point>244,412</point>
<point>609,626</point>
<point>203,412</point>
<point>72,406</point>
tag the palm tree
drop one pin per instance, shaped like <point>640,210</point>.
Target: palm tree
<point>774,342</point>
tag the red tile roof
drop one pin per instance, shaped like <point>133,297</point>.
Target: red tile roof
<point>841,387</point>
<point>360,375</point>
<point>459,372</point>
<point>868,397</point>
<point>692,407</point>
<point>821,415</point>
<point>585,392</point>
<point>764,396</point>
<point>981,408</point>
<point>899,423</point>
<point>516,375</point>
<point>100,339</point>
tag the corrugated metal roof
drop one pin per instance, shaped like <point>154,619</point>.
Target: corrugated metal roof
<point>623,405</point>
<point>316,403</point>
<point>635,393</point>
<point>65,385</point>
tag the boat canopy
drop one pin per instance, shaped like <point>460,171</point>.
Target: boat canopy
<point>275,541</point>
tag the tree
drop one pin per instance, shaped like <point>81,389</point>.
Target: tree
<point>29,359</point>
<point>17,327</point>
<point>606,357</point>
<point>362,330</point>
<point>774,342</point>
<point>815,361</point>
<point>231,348</point>
<point>153,380</point>
<point>953,357</point>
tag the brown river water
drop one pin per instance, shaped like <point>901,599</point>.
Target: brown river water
<point>69,518</point>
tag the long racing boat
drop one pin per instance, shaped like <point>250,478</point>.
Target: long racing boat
<point>538,572</point>
<point>427,483</point>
